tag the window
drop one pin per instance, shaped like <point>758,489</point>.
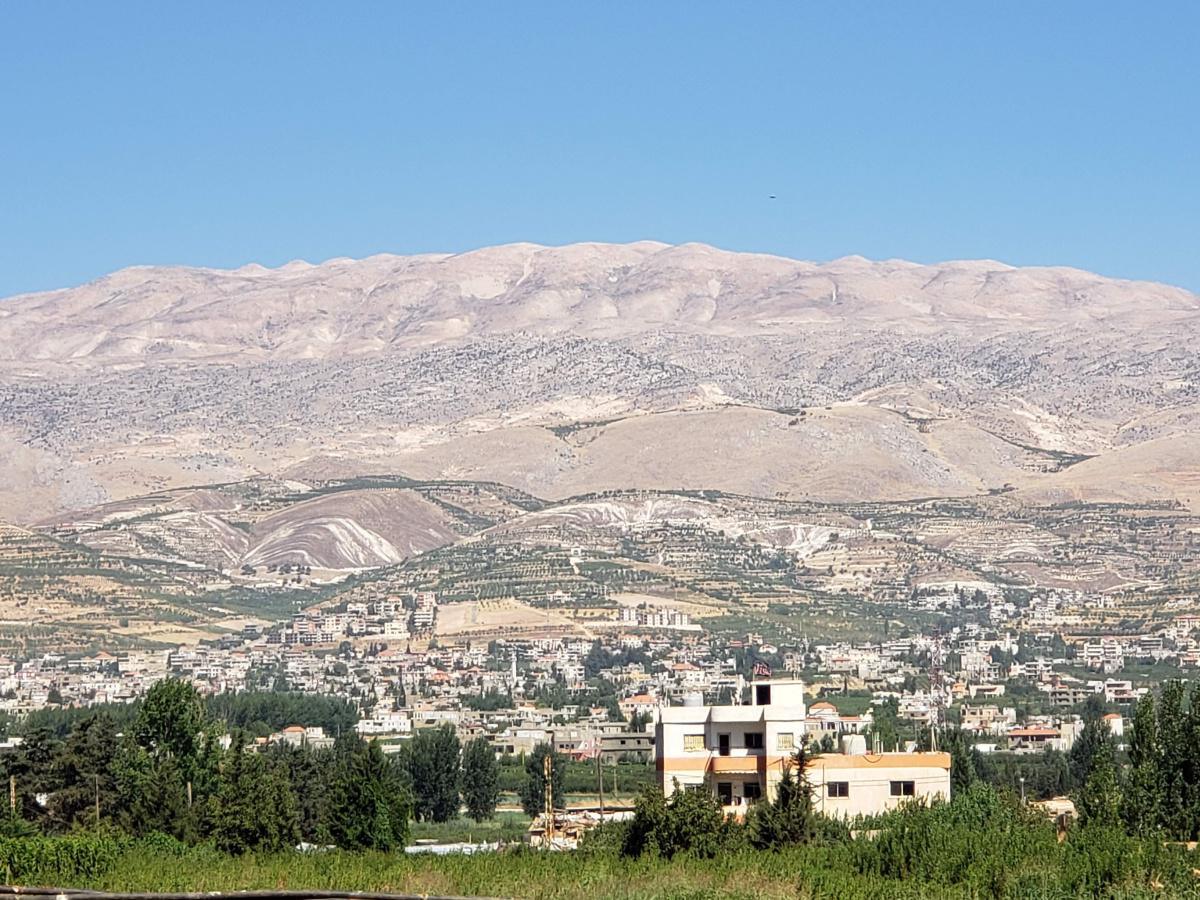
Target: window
<point>752,791</point>
<point>754,740</point>
<point>838,788</point>
<point>693,743</point>
<point>722,745</point>
<point>904,788</point>
<point>725,792</point>
<point>762,695</point>
<point>785,741</point>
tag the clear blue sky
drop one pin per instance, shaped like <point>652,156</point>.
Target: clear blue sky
<point>221,133</point>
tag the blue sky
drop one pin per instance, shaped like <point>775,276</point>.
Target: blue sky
<point>222,133</point>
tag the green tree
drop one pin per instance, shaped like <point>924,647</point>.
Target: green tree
<point>309,773</point>
<point>1093,741</point>
<point>964,768</point>
<point>480,779</point>
<point>434,772</point>
<point>86,774</point>
<point>369,806</point>
<point>171,720</point>
<point>152,795</point>
<point>1176,813</point>
<point>254,807</point>
<point>691,822</point>
<point>1099,801</point>
<point>1143,796</point>
<point>885,725</point>
<point>788,818</point>
<point>533,789</point>
<point>32,766</point>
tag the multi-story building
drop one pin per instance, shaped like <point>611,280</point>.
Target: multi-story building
<point>424,611</point>
<point>742,751</point>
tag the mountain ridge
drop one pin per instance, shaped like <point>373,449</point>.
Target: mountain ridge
<point>347,308</point>
<point>665,366</point>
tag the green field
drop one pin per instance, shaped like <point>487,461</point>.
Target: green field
<point>966,850</point>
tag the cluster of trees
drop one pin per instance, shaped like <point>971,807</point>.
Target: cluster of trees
<point>1158,791</point>
<point>258,712</point>
<point>179,765</point>
<point>445,776</point>
<point>1149,788</point>
<point>167,770</point>
<point>261,712</point>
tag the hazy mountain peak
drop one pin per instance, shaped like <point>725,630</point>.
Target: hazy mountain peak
<point>347,307</point>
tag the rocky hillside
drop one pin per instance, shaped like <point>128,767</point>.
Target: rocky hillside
<point>354,308</point>
<point>591,367</point>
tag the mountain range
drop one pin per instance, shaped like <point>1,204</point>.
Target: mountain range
<point>567,370</point>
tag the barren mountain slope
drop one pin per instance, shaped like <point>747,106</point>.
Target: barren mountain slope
<point>570,369</point>
<point>846,452</point>
<point>1162,469</point>
<point>268,523</point>
<point>350,530</point>
<point>347,308</point>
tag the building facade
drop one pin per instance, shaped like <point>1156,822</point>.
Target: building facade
<point>740,752</point>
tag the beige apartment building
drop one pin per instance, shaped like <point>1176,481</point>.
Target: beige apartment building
<point>741,752</point>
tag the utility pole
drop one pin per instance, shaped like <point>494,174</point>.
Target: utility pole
<point>12,795</point>
<point>600,778</point>
<point>97,783</point>
<point>1022,780</point>
<point>548,773</point>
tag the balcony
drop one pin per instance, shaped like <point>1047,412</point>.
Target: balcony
<point>752,762</point>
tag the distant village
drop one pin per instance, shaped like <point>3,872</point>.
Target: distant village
<point>1016,685</point>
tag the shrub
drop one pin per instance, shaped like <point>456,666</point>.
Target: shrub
<point>690,822</point>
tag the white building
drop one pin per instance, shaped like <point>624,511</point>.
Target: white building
<point>855,783</point>
<point>742,752</point>
<point>425,610</point>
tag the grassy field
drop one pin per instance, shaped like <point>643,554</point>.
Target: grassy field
<point>981,844</point>
<point>1026,864</point>
<point>524,874</point>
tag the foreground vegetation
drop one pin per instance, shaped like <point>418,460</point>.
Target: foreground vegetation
<point>983,844</point>
<point>165,806</point>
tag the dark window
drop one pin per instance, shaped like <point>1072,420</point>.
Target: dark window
<point>723,744</point>
<point>762,694</point>
<point>838,788</point>
<point>752,791</point>
<point>725,792</point>
<point>754,740</point>
<point>904,788</point>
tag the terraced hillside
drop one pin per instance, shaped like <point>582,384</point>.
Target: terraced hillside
<point>64,596</point>
<point>191,563</point>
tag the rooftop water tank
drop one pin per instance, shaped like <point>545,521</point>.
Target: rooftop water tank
<point>853,744</point>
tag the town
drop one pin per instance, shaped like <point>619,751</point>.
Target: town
<point>1017,680</point>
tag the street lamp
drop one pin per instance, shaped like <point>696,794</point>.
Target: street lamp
<point>1022,780</point>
